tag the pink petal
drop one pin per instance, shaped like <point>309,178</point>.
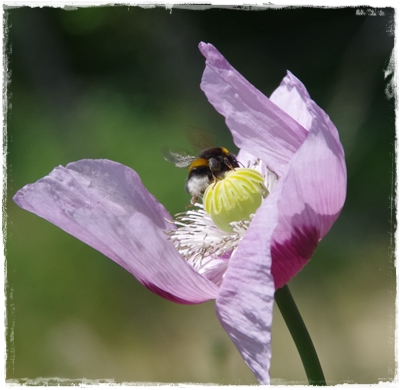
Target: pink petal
<point>292,98</point>
<point>246,297</point>
<point>313,192</point>
<point>105,205</point>
<point>256,123</point>
<point>215,269</point>
<point>287,227</point>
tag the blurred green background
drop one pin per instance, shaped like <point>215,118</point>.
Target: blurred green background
<point>122,83</point>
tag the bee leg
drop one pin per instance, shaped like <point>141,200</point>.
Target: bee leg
<point>215,180</point>
<point>192,201</point>
<point>228,164</point>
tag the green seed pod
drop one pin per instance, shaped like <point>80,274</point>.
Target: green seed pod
<point>235,197</point>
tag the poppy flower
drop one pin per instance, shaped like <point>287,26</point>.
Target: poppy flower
<point>287,139</point>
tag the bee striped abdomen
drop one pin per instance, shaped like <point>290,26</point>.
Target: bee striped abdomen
<point>198,163</point>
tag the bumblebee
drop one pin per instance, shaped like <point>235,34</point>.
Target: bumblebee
<point>210,165</point>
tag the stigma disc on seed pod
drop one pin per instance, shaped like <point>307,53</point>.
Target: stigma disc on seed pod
<point>235,197</point>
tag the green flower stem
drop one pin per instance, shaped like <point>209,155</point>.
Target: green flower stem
<point>300,335</point>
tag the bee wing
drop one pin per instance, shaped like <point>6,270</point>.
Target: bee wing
<point>200,138</point>
<point>179,159</point>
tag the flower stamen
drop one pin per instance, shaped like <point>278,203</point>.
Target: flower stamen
<point>199,240</point>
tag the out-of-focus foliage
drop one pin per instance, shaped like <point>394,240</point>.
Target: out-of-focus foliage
<point>122,83</point>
